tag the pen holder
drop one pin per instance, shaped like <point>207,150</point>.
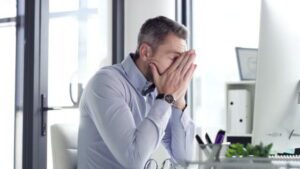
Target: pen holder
<point>212,152</point>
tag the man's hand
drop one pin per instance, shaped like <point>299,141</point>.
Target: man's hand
<point>175,80</point>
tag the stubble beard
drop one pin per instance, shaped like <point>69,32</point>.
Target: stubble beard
<point>149,75</point>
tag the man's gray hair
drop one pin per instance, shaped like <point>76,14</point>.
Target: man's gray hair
<point>154,31</point>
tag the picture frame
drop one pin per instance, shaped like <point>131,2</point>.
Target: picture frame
<point>247,58</point>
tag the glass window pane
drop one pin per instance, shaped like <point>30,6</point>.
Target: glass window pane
<point>8,8</point>
<point>63,59</point>
<point>220,26</point>
<point>63,5</point>
<point>7,90</point>
<point>94,4</point>
<point>79,45</point>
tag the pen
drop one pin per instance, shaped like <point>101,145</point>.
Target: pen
<point>199,140</point>
<point>207,153</point>
<point>208,139</point>
<point>220,137</point>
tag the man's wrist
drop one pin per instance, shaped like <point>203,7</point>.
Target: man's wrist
<point>167,97</point>
<point>182,109</point>
<point>180,105</point>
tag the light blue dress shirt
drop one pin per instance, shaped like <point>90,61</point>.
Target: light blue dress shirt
<point>120,128</point>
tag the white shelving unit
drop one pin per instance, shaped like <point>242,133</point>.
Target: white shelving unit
<point>246,88</point>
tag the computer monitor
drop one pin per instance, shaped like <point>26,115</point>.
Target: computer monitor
<point>276,109</point>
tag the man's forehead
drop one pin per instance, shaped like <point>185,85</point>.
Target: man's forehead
<point>174,44</point>
<point>178,49</point>
<point>179,52</point>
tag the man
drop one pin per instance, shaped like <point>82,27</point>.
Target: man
<point>123,120</point>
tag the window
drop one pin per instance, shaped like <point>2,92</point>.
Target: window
<point>218,27</point>
<point>79,44</point>
<point>7,85</point>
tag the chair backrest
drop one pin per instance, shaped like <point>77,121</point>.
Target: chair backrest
<point>64,146</point>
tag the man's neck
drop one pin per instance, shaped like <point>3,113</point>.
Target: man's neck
<point>141,66</point>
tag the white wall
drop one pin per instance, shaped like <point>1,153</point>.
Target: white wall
<point>218,27</point>
<point>137,12</point>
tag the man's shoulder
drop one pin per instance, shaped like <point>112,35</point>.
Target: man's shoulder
<point>110,74</point>
<point>108,79</point>
<point>112,70</point>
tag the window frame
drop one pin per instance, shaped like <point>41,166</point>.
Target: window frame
<point>183,15</point>
<point>32,77</point>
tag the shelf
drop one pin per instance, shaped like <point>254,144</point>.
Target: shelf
<point>240,106</point>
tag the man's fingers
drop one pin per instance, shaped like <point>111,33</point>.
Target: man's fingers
<point>178,74</point>
<point>184,61</point>
<point>189,62</point>
<point>175,65</point>
<point>189,74</point>
<point>181,62</point>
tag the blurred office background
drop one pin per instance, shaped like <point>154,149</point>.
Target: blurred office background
<point>50,48</point>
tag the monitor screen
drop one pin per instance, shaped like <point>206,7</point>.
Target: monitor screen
<point>276,110</point>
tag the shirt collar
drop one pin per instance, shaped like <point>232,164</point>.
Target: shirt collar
<point>134,75</point>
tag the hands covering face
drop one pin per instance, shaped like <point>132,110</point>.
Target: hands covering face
<point>175,80</point>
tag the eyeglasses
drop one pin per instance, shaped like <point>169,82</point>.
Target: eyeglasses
<point>152,164</point>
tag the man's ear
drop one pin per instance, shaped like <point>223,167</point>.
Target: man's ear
<point>145,51</point>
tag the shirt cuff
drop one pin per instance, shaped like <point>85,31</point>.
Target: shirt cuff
<point>182,117</point>
<point>160,114</point>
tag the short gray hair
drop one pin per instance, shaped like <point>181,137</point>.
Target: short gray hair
<point>154,31</point>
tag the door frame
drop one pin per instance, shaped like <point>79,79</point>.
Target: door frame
<point>31,82</point>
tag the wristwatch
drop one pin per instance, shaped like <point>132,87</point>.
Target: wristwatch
<point>167,97</point>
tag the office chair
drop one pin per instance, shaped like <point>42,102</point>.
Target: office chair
<point>64,146</point>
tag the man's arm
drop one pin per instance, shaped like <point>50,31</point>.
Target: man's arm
<point>131,145</point>
<point>179,136</point>
<point>183,134</point>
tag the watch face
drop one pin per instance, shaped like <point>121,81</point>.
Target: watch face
<point>169,98</point>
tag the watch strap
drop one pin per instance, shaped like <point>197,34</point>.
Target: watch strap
<point>160,96</point>
<point>167,97</point>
